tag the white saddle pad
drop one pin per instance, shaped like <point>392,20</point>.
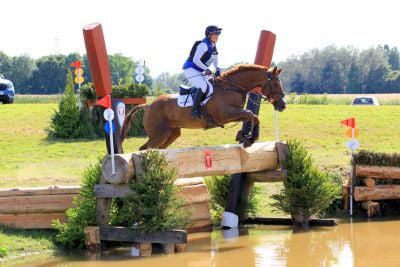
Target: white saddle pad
<point>187,100</point>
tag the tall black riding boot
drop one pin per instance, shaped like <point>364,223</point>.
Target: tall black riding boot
<point>198,96</point>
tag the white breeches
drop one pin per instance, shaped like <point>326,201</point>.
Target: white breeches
<point>195,78</point>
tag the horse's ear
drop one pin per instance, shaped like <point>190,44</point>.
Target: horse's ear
<point>274,70</point>
<point>279,71</point>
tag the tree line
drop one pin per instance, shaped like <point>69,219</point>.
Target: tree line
<point>333,70</point>
<point>344,70</point>
<point>48,74</point>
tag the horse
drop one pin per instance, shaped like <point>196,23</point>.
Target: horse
<point>163,118</point>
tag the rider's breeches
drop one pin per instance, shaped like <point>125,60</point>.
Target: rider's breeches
<point>197,79</point>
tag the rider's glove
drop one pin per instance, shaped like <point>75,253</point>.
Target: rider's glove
<point>217,72</point>
<point>207,72</point>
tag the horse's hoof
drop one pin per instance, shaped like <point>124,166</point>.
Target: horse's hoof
<point>247,142</point>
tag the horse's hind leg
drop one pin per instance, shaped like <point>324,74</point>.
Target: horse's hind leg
<point>175,133</point>
<point>158,137</point>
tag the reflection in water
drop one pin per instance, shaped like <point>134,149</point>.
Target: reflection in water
<point>374,243</point>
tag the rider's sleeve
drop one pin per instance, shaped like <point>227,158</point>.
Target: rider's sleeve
<point>201,49</point>
<point>215,62</point>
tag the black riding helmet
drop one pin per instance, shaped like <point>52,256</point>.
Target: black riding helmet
<point>212,29</point>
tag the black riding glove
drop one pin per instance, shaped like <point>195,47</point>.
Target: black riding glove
<point>217,72</point>
<point>207,72</point>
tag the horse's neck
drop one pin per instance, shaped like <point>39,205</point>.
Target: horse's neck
<point>247,79</point>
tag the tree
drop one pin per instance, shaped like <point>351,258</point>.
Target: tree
<point>20,72</point>
<point>49,77</point>
<point>394,58</point>
<point>65,121</point>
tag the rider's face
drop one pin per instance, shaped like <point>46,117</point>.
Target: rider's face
<point>214,37</point>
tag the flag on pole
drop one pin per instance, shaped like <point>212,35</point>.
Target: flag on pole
<point>76,64</point>
<point>349,122</point>
<point>105,101</point>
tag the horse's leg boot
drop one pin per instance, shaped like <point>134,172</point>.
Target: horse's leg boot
<point>198,96</point>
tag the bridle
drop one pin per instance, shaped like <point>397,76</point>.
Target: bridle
<point>243,91</point>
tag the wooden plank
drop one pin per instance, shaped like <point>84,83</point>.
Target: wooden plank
<point>32,221</point>
<point>28,191</point>
<point>267,176</point>
<point>288,221</point>
<point>283,152</point>
<point>124,234</point>
<point>189,162</point>
<point>36,203</point>
<point>103,207</point>
<point>195,194</point>
<point>189,181</point>
<point>379,192</point>
<point>378,172</point>
<point>111,190</point>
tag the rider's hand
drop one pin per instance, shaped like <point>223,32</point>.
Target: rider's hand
<point>217,72</point>
<point>207,72</point>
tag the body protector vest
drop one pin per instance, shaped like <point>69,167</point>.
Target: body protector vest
<point>207,58</point>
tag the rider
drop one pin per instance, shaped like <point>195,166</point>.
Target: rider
<point>202,55</point>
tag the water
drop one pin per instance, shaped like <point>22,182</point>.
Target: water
<point>373,243</point>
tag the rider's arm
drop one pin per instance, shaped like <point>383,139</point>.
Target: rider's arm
<point>201,49</point>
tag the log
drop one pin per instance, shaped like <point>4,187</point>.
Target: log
<point>199,226</point>
<point>379,192</point>
<point>29,191</point>
<point>189,181</point>
<point>190,162</point>
<point>36,204</point>
<point>267,176</point>
<point>192,194</point>
<point>32,221</point>
<point>124,234</point>
<point>369,182</point>
<point>200,212</point>
<point>372,207</point>
<point>346,196</point>
<point>378,172</point>
<point>123,173</point>
<point>288,221</point>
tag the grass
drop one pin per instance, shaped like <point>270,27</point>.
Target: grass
<point>17,243</point>
<point>27,158</point>
<point>36,99</point>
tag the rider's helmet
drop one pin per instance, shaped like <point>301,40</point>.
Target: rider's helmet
<point>212,29</point>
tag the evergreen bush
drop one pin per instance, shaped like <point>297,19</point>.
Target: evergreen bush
<point>154,204</point>
<point>71,234</point>
<point>307,191</point>
<point>65,121</point>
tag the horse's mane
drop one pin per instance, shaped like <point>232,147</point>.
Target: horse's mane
<point>243,67</point>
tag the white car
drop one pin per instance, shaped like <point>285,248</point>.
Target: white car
<point>365,101</point>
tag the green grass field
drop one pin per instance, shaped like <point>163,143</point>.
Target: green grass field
<point>27,158</point>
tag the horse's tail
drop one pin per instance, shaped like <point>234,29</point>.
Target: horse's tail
<point>128,121</point>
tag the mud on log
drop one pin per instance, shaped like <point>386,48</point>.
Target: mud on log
<point>190,162</point>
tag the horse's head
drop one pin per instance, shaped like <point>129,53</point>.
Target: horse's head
<point>273,91</point>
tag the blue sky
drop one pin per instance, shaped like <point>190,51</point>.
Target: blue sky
<point>162,32</point>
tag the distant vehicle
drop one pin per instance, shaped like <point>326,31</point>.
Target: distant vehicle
<point>7,92</point>
<point>365,101</point>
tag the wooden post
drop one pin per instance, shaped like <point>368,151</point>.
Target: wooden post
<point>92,238</point>
<point>264,54</point>
<point>100,70</point>
<point>371,207</point>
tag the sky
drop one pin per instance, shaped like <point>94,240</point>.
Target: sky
<point>163,32</point>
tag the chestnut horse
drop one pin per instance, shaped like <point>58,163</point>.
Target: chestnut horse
<point>163,119</point>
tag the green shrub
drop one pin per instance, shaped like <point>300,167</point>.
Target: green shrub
<point>218,188</point>
<point>71,234</point>
<point>3,252</point>
<point>65,121</point>
<point>307,191</point>
<point>154,204</point>
<point>336,207</point>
